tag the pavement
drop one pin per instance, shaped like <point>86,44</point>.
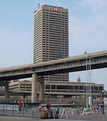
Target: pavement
<point>33,114</point>
<point>90,117</point>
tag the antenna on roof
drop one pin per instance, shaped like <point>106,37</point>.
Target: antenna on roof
<point>38,5</point>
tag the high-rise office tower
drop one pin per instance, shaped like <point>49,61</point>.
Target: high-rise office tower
<point>51,37</point>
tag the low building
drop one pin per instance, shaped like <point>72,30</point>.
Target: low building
<point>57,89</point>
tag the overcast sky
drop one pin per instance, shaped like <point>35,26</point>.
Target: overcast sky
<point>87,32</point>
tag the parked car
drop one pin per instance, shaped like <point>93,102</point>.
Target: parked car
<point>73,102</point>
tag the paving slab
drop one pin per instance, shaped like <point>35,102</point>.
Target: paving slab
<point>96,117</point>
<point>7,118</point>
<point>36,117</point>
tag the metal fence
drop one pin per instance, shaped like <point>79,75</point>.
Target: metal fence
<point>13,110</point>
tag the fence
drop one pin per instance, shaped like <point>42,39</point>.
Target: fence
<point>13,110</point>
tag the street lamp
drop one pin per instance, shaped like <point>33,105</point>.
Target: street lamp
<point>90,85</point>
<point>48,92</point>
<point>88,88</point>
<point>103,91</point>
<point>86,82</point>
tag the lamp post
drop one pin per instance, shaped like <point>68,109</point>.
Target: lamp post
<point>90,85</point>
<point>48,92</point>
<point>86,82</point>
<point>103,91</point>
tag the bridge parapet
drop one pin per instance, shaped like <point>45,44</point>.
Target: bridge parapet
<point>71,64</point>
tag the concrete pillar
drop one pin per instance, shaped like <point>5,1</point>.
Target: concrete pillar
<point>34,88</point>
<point>41,89</point>
<point>6,91</point>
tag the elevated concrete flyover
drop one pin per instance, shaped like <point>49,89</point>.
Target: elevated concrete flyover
<point>71,64</point>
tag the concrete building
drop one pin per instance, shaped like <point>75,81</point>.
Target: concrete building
<point>57,89</point>
<point>51,37</point>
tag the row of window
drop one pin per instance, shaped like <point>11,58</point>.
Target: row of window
<point>72,87</point>
<point>58,13</point>
<point>56,20</point>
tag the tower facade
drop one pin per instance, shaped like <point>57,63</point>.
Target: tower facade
<point>51,37</point>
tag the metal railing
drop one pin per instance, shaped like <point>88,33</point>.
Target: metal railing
<point>11,110</point>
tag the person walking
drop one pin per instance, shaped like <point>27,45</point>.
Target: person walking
<point>20,106</point>
<point>57,112</point>
<point>48,110</point>
<point>40,106</point>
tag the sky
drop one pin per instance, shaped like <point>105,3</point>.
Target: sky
<point>87,32</point>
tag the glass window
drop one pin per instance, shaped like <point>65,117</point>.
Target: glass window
<point>95,88</point>
<point>52,86</point>
<point>47,87</point>
<point>81,87</point>
<point>76,87</point>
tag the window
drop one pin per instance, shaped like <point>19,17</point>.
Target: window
<point>47,86</point>
<point>76,87</point>
<point>52,86</point>
<point>95,88</point>
<point>81,87</point>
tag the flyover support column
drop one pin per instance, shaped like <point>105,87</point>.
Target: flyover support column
<point>6,92</point>
<point>34,88</point>
<point>41,89</point>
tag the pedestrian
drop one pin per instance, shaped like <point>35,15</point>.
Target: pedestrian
<point>48,110</point>
<point>40,106</point>
<point>48,106</point>
<point>57,112</point>
<point>51,114</point>
<point>20,106</point>
<point>97,108</point>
